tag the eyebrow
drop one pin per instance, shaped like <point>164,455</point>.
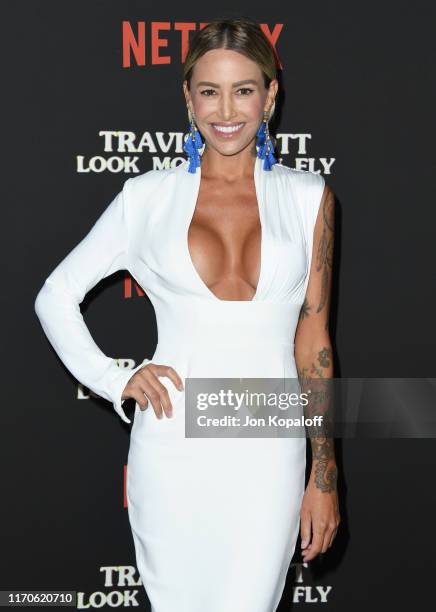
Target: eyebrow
<point>244,82</point>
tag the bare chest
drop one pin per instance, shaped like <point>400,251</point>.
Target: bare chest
<point>224,240</point>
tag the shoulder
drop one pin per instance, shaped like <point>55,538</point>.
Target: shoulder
<point>308,190</point>
<point>305,182</point>
<point>144,184</point>
<point>142,192</point>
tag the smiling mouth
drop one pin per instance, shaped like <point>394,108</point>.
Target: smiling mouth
<point>227,130</point>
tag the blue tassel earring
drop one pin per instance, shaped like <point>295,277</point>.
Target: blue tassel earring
<point>192,144</point>
<point>264,144</point>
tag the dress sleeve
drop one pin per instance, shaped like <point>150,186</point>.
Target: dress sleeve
<point>103,251</point>
<point>311,199</point>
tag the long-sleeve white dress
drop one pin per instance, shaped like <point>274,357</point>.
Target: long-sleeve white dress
<point>214,520</point>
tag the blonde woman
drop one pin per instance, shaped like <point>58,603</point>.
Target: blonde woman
<point>234,251</point>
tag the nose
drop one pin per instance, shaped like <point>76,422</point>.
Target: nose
<point>227,108</point>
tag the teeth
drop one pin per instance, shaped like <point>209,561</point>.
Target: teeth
<point>227,130</point>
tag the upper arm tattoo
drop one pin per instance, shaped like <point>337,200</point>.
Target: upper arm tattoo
<point>324,256</point>
<point>304,311</point>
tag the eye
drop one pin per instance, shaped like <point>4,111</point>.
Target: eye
<point>207,90</point>
<point>246,89</point>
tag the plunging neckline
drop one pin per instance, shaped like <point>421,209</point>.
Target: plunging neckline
<point>191,211</point>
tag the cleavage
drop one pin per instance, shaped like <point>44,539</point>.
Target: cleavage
<point>224,241</point>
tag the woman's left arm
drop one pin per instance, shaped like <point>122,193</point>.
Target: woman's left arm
<point>314,359</point>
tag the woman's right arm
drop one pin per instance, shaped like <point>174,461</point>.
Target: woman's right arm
<point>103,251</point>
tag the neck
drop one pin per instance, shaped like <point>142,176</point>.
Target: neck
<point>228,167</point>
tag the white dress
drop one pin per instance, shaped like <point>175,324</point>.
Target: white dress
<point>214,520</point>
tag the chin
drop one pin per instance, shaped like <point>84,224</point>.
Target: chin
<point>231,148</point>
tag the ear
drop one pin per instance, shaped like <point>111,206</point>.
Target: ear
<point>272,93</point>
<point>187,94</point>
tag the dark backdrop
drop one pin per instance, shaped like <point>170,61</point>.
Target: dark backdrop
<point>359,79</point>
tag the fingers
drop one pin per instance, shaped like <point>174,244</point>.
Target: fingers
<point>334,529</point>
<point>146,387</point>
<point>332,537</point>
<point>306,530</point>
<point>156,392</point>
<point>172,375</point>
<point>315,547</point>
<point>323,536</point>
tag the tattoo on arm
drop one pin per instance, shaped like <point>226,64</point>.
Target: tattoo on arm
<point>324,257</point>
<point>316,374</point>
<point>325,358</point>
<point>326,474</point>
<point>304,312</point>
<point>317,385</point>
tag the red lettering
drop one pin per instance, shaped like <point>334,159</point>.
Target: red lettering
<point>272,37</point>
<point>134,45</point>
<point>184,28</point>
<point>157,42</point>
<point>131,44</point>
<point>129,283</point>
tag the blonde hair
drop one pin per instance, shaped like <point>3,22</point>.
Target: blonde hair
<point>239,34</point>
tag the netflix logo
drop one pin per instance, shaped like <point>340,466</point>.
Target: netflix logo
<point>166,42</point>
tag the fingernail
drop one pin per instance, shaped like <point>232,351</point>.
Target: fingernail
<point>304,543</point>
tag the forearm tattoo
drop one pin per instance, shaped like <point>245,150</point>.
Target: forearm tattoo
<point>325,357</point>
<point>317,383</point>
<point>326,471</point>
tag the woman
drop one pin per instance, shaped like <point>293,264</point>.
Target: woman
<point>222,244</point>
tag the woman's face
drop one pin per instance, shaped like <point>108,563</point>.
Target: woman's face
<point>228,92</point>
